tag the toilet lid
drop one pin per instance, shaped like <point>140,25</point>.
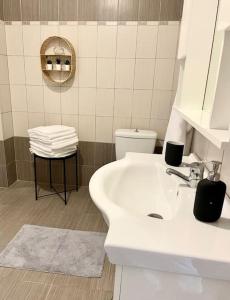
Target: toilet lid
<point>136,133</point>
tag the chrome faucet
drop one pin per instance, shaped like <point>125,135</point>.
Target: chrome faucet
<point>196,173</point>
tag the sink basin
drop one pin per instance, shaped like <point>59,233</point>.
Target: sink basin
<point>128,190</point>
<point>137,189</point>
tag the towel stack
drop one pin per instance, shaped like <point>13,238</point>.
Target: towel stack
<point>53,141</point>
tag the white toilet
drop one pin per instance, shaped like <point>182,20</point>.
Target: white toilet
<point>134,140</point>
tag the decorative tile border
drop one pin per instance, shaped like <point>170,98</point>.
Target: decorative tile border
<point>92,23</point>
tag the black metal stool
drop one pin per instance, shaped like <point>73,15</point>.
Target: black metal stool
<point>50,159</point>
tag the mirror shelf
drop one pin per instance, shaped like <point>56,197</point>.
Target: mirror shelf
<point>200,120</point>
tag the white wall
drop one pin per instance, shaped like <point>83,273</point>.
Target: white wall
<point>125,77</point>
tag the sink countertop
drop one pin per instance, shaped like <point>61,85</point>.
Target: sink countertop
<point>181,244</point>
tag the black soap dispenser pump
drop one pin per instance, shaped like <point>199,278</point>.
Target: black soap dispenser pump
<point>210,195</point>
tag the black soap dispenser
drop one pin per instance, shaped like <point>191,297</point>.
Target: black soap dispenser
<point>210,195</point>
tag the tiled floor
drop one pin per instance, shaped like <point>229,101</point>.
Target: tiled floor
<point>18,207</point>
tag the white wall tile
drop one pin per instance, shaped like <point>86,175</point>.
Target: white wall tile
<point>123,103</point>
<point>52,100</point>
<point>87,72</point>
<point>4,74</point>
<point>48,31</point>
<point>31,40</point>
<point>52,119</point>
<point>159,126</point>
<point>18,98</point>
<point>105,102</point>
<point>69,100</point>
<point>144,73</point>
<point>146,41</point>
<point>21,125</point>
<point>70,120</point>
<point>104,129</point>
<point>87,101</point>
<point>71,34</point>
<point>86,128</point>
<point>5,99</point>
<point>141,103</point>
<point>7,125</point>
<point>16,70</point>
<point>87,41</point>
<point>161,104</point>
<point>106,43</point>
<point>36,119</point>
<point>164,74</point>
<point>167,41</point>
<point>124,73</point>
<point>14,39</point>
<point>121,123</point>
<point>126,41</point>
<point>140,123</point>
<point>105,72</point>
<point>35,99</point>
<point>3,49</point>
<point>33,71</point>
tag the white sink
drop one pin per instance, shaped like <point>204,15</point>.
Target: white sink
<point>126,191</point>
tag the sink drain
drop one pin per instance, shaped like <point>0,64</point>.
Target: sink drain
<point>157,216</point>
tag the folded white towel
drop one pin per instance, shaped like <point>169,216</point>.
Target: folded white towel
<point>51,132</point>
<point>56,146</point>
<point>49,150</point>
<point>43,140</point>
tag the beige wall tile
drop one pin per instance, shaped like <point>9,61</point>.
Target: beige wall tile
<point>7,125</point>
<point>87,101</point>
<point>87,128</point>
<point>124,73</point>
<point>69,100</point>
<point>52,100</point>
<point>105,72</point>
<point>87,39</point>
<point>144,73</point>
<point>87,72</point>
<point>14,39</point>
<point>106,42</point>
<point>126,35</point>
<point>35,98</point>
<point>164,71</point>
<point>5,99</point>
<point>123,103</point>
<point>36,119</point>
<point>3,49</point>
<point>140,123</point>
<point>20,121</point>
<point>104,129</point>
<point>33,70</point>
<point>161,104</point>
<point>146,41</point>
<point>16,69</point>
<point>52,119</point>
<point>4,74</point>
<point>167,41</point>
<point>141,103</point>
<point>105,102</point>
<point>68,10</point>
<point>18,98</point>
<point>31,39</point>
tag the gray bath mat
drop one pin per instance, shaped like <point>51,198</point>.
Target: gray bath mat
<point>54,250</point>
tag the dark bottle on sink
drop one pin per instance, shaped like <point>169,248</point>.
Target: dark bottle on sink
<point>210,195</point>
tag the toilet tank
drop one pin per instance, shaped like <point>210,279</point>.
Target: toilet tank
<point>134,140</point>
